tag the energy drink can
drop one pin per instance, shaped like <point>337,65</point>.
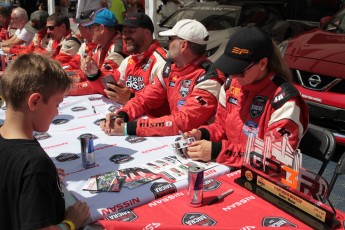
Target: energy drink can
<point>87,150</point>
<point>195,185</point>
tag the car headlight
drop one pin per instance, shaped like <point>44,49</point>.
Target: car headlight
<point>282,47</point>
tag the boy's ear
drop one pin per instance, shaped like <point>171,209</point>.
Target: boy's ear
<point>34,101</point>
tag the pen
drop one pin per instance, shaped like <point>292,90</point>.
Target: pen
<point>221,196</point>
<point>182,134</point>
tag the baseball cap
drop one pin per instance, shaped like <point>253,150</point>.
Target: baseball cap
<point>38,21</point>
<point>247,44</point>
<point>138,20</point>
<point>102,16</point>
<point>190,30</point>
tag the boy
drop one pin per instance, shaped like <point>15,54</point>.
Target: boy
<point>33,86</point>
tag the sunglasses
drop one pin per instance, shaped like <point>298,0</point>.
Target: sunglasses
<point>173,38</point>
<point>50,27</point>
<point>241,74</point>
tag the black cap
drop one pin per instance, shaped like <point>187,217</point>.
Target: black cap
<point>138,20</point>
<point>248,44</point>
<point>38,20</point>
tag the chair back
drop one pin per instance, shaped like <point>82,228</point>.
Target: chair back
<point>318,143</point>
<point>339,170</point>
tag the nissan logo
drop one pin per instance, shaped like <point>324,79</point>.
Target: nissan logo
<point>314,80</point>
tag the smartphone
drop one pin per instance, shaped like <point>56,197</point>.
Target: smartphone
<point>108,79</point>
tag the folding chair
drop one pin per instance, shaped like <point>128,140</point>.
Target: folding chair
<point>318,143</point>
<point>339,170</point>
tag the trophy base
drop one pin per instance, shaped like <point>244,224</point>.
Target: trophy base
<point>307,210</point>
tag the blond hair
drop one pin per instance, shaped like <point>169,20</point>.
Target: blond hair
<point>33,73</point>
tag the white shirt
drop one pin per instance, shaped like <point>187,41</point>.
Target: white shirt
<point>24,35</point>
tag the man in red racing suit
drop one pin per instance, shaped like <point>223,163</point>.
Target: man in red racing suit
<point>190,86</point>
<point>137,70</point>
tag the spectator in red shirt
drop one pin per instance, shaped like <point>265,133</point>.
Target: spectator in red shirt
<point>5,16</point>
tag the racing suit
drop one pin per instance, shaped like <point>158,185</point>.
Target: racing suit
<point>65,49</point>
<point>191,93</point>
<point>136,72</point>
<point>38,45</point>
<point>108,58</point>
<point>269,105</point>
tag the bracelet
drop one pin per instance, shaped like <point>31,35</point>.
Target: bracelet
<point>125,129</point>
<point>62,226</point>
<point>69,223</point>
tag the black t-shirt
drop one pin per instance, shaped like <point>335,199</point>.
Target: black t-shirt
<point>30,192</point>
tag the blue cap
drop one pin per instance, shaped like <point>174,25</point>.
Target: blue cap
<point>102,16</point>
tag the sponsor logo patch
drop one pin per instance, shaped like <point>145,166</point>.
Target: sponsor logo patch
<point>257,106</point>
<point>97,122</point>
<point>94,98</point>
<point>200,100</point>
<point>160,189</point>
<point>78,108</point>
<point>171,83</point>
<point>60,121</point>
<point>210,185</point>
<point>233,100</point>
<point>135,82</point>
<point>198,219</point>
<point>146,64</point>
<point>180,103</point>
<point>124,216</point>
<point>250,127</point>
<point>41,136</point>
<point>277,222</point>
<point>234,91</point>
<point>184,88</point>
<point>114,108</point>
<point>63,157</point>
<point>135,139</point>
<point>279,97</point>
<point>121,158</point>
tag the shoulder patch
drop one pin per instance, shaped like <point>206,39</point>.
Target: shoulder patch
<point>227,83</point>
<point>167,69</point>
<point>288,91</point>
<point>210,72</point>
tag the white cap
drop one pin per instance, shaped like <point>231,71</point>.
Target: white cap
<point>190,30</point>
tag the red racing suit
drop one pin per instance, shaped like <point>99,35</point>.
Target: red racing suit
<point>136,71</point>
<point>191,93</point>
<point>272,104</point>
<point>108,57</point>
<point>38,45</point>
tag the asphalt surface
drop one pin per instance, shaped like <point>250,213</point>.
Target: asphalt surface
<point>337,196</point>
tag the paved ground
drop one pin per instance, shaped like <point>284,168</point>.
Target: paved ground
<point>337,196</point>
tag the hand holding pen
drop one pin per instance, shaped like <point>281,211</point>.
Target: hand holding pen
<point>220,197</point>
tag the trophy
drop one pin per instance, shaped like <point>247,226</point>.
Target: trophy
<point>273,170</point>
